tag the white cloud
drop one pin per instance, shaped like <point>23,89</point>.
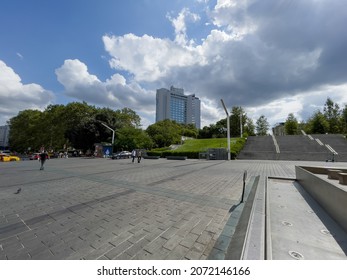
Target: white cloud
<point>211,112</point>
<point>302,105</point>
<point>16,96</point>
<point>232,16</point>
<point>267,57</point>
<point>180,25</point>
<point>147,58</point>
<point>115,92</point>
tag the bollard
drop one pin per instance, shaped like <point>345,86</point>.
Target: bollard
<point>244,184</point>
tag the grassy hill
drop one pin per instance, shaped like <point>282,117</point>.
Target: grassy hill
<point>191,148</point>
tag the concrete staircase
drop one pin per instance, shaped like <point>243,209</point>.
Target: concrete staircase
<point>259,147</point>
<point>320,147</point>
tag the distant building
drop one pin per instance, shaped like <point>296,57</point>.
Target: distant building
<point>4,134</point>
<point>278,129</point>
<point>172,104</point>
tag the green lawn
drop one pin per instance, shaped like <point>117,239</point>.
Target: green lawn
<point>192,148</point>
<point>201,145</point>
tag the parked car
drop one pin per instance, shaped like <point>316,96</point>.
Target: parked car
<point>123,154</point>
<point>36,156</point>
<point>6,157</point>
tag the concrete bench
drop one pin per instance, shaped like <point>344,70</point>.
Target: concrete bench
<point>333,174</point>
<point>343,178</point>
<point>176,157</point>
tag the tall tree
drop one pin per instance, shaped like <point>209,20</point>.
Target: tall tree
<point>291,125</point>
<point>27,131</point>
<point>332,114</point>
<point>237,117</point>
<point>249,127</point>
<point>318,124</point>
<point>127,117</point>
<point>54,119</point>
<point>344,120</point>
<point>262,126</point>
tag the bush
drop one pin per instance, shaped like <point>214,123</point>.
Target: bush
<point>154,153</point>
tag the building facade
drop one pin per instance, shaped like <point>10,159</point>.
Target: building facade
<point>4,133</point>
<point>172,104</point>
<point>278,129</point>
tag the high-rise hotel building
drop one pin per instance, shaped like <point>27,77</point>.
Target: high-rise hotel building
<point>172,104</point>
<point>4,134</point>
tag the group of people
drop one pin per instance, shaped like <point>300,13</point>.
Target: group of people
<point>44,155</point>
<point>136,154</point>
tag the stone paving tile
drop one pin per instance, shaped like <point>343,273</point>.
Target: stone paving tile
<point>177,253</point>
<point>99,252</point>
<point>137,247</point>
<point>173,242</point>
<point>119,249</point>
<point>104,209</point>
<point>196,251</point>
<point>189,239</point>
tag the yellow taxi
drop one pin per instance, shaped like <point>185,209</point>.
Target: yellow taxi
<point>6,157</point>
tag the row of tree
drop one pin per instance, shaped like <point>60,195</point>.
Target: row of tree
<point>238,121</point>
<point>80,126</point>
<point>332,120</point>
<point>77,125</point>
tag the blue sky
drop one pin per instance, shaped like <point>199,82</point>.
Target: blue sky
<point>272,57</point>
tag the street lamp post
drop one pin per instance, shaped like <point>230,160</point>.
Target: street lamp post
<point>241,122</point>
<point>109,129</point>
<point>228,127</point>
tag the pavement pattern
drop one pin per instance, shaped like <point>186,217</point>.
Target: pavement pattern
<point>95,208</point>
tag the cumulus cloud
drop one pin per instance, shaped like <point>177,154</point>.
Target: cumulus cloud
<point>115,92</point>
<point>149,59</point>
<point>266,56</point>
<point>16,96</point>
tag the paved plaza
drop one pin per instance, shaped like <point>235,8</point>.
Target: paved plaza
<point>92,208</point>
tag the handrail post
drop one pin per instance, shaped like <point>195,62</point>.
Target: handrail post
<point>244,185</point>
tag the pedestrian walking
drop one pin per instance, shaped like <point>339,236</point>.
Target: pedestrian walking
<point>133,155</point>
<point>139,156</point>
<point>43,157</point>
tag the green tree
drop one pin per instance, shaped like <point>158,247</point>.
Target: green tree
<point>127,117</point>
<point>129,138</point>
<point>189,130</point>
<point>318,124</point>
<point>344,120</point>
<point>27,131</point>
<point>76,124</point>
<point>164,133</point>
<point>55,123</point>
<point>90,124</point>
<point>333,116</point>
<point>237,116</point>
<point>291,125</point>
<point>262,126</point>
<point>249,127</point>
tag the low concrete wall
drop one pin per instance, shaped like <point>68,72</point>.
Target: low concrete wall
<point>332,198</point>
<point>151,157</point>
<point>176,157</point>
<point>321,170</point>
